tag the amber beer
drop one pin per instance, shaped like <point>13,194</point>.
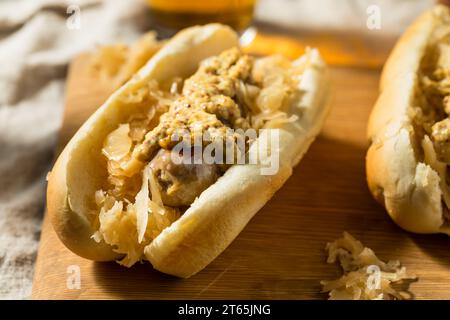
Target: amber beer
<point>177,14</point>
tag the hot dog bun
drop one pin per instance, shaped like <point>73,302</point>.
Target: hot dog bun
<point>400,174</point>
<point>217,216</point>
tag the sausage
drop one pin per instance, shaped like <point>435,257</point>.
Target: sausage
<point>181,183</point>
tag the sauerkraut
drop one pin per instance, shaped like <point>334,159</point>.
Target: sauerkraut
<point>430,111</point>
<point>430,158</point>
<point>278,78</point>
<point>116,63</point>
<point>365,277</point>
<point>130,227</point>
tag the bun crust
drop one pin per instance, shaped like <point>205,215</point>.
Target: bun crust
<point>397,177</point>
<point>222,210</point>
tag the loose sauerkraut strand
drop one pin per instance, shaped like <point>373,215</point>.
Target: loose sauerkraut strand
<point>116,63</point>
<point>365,277</point>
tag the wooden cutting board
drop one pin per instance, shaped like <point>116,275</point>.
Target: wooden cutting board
<point>280,254</point>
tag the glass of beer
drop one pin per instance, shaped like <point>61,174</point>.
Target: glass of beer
<point>169,16</point>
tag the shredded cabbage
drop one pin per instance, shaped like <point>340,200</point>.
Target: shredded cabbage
<point>118,143</point>
<point>438,166</point>
<point>117,63</point>
<point>142,205</point>
<point>365,276</point>
<point>272,120</point>
<point>279,79</point>
<point>129,229</point>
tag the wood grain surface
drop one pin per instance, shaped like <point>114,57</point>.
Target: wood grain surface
<point>280,254</point>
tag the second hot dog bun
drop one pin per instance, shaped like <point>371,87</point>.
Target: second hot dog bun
<point>402,170</point>
<point>221,211</point>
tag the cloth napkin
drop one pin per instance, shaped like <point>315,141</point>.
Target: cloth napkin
<point>36,46</point>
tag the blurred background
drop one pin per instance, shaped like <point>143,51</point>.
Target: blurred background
<point>39,39</point>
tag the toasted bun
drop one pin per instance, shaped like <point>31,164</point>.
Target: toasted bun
<point>407,187</point>
<point>222,210</point>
